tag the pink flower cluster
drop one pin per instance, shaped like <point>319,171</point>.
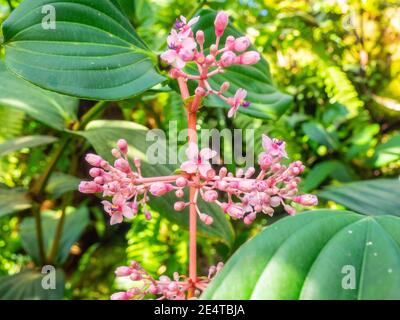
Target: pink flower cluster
<point>245,194</point>
<point>184,47</point>
<point>164,288</point>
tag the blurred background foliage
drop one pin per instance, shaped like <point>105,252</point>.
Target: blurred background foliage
<point>340,60</point>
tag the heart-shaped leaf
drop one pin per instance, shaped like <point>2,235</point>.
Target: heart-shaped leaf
<point>52,109</point>
<point>75,223</point>
<point>317,255</point>
<point>370,197</point>
<point>83,48</point>
<point>24,142</point>
<point>267,101</point>
<point>13,200</point>
<point>103,135</point>
<point>27,285</point>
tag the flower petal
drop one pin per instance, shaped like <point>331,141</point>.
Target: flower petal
<point>116,218</point>
<point>207,153</point>
<point>127,212</point>
<point>192,151</point>
<point>189,167</point>
<point>204,168</point>
<point>266,142</point>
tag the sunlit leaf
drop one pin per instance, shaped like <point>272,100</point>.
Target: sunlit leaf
<point>24,142</point>
<point>13,200</point>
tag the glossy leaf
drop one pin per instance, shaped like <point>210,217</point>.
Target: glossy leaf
<point>52,109</point>
<point>316,255</point>
<point>92,53</point>
<point>13,200</point>
<point>75,223</point>
<point>103,135</point>
<point>320,135</point>
<point>370,197</point>
<point>24,142</point>
<point>27,285</point>
<point>60,183</point>
<point>267,101</point>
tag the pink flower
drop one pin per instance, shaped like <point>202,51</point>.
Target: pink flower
<point>123,271</point>
<point>237,101</point>
<point>121,296</point>
<point>181,48</point>
<point>94,159</point>
<point>210,195</point>
<point>220,23</point>
<point>306,200</point>
<point>198,162</point>
<point>182,24</point>
<point>227,59</point>
<point>274,147</point>
<point>118,209</point>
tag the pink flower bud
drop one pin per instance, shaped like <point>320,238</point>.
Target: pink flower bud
<point>123,271</point>
<point>137,162</point>
<point>93,159</point>
<point>241,44</point>
<point>123,146</point>
<point>95,172</point>
<point>261,186</point>
<point>306,200</point>
<point>147,214</point>
<point>234,211</point>
<point>153,289</point>
<point>275,201</point>
<point>135,276</point>
<point>210,59</point>
<point>227,59</point>
<point>230,43</point>
<point>249,218</point>
<point>200,58</point>
<point>265,161</point>
<point>289,209</point>
<point>200,37</point>
<point>116,153</point>
<point>200,92</point>
<point>224,86</point>
<point>89,187</point>
<point>250,172</point>
<point>123,165</point>
<point>250,57</point>
<point>223,172</point>
<point>134,206</point>
<point>239,173</point>
<point>121,296</point>
<point>179,193</point>
<point>179,206</point>
<point>221,185</point>
<point>206,218</point>
<point>246,185</point>
<point>210,196</point>
<point>220,23</point>
<point>181,182</point>
<point>160,188</point>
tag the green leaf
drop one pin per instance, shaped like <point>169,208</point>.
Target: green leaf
<point>24,142</point>
<point>316,132</point>
<point>60,183</point>
<point>75,223</point>
<point>92,53</point>
<point>104,134</point>
<point>321,171</point>
<point>309,256</point>
<point>267,101</point>
<point>387,152</point>
<point>52,109</point>
<point>370,197</point>
<point>27,285</point>
<point>13,200</point>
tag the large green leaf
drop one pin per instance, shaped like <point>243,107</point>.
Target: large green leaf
<point>52,109</point>
<point>93,52</point>
<point>24,142</point>
<point>370,197</point>
<point>27,285</point>
<point>60,183</point>
<point>267,101</point>
<point>13,200</point>
<point>313,256</point>
<point>75,223</point>
<point>103,135</point>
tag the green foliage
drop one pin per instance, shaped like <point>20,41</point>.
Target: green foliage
<point>304,257</point>
<point>93,39</point>
<point>13,200</point>
<point>24,142</point>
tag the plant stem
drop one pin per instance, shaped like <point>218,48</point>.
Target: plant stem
<point>10,5</point>
<point>38,227</point>
<point>91,114</point>
<point>191,113</point>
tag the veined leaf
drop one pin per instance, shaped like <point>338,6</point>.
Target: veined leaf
<point>319,134</point>
<point>75,223</point>
<point>52,109</point>
<point>267,101</point>
<point>13,200</point>
<point>24,142</point>
<point>92,52</point>
<point>60,183</point>
<point>27,285</point>
<point>316,255</point>
<point>370,197</point>
<point>103,135</point>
